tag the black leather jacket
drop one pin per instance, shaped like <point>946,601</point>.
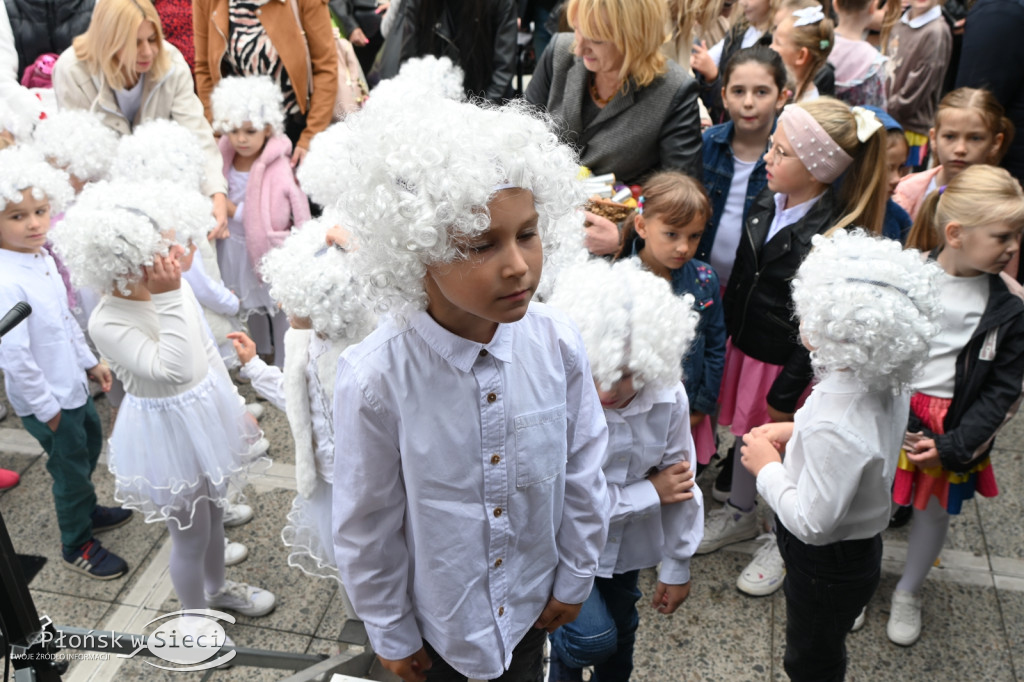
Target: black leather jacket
<point>758,302</point>
<point>42,26</point>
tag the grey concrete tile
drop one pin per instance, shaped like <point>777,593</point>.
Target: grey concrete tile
<point>1011,604</point>
<point>333,620</point>
<point>1000,516</point>
<point>275,427</point>
<point>18,441</point>
<point>965,530</point>
<point>261,638</point>
<point>73,611</point>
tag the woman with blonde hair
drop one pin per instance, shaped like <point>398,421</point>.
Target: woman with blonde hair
<point>626,108</point>
<point>122,70</point>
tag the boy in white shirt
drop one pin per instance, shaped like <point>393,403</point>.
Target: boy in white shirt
<point>470,509</point>
<point>45,360</point>
<point>867,310</point>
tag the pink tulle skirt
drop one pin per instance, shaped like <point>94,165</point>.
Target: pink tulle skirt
<point>742,401</point>
<point>704,440</point>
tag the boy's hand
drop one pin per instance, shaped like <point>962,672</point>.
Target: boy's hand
<point>54,422</point>
<point>245,348</point>
<point>667,598</point>
<point>410,668</point>
<point>673,483</point>
<point>101,375</point>
<point>163,276</point>
<point>696,418</point>
<point>777,433</point>
<point>925,454</point>
<point>556,614</point>
<point>757,452</point>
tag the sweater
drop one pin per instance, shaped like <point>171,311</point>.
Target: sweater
<point>918,61</point>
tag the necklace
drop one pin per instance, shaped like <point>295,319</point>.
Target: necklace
<point>601,101</point>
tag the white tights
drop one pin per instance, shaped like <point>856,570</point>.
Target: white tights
<point>197,554</point>
<point>927,536</point>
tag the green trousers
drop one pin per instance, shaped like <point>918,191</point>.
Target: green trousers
<point>73,450</point>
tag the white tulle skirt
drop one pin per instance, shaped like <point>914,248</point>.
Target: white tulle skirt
<point>168,453</point>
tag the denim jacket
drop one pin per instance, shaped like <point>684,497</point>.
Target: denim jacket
<point>718,171</point>
<point>703,364</point>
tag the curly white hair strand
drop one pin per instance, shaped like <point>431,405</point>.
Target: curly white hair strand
<point>160,150</point>
<point>23,167</point>
<point>78,142</point>
<point>253,99</point>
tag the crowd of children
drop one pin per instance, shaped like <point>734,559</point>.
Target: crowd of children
<point>860,364</point>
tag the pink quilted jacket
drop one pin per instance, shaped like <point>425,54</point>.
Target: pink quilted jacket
<point>910,192</point>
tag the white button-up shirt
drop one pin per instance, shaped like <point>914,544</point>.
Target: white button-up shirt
<point>652,432</point>
<point>45,357</point>
<point>467,484</point>
<point>836,480</point>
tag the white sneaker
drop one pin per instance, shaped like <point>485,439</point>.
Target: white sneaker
<point>726,526</point>
<point>3,411</point>
<point>255,409</point>
<point>237,515</point>
<point>904,626</point>
<point>765,573</point>
<point>259,447</point>
<point>242,598</point>
<point>858,623</point>
<point>234,552</point>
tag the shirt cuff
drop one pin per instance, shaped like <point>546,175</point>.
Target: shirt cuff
<point>569,588</point>
<point>770,477</point>
<point>50,410</point>
<point>400,640</point>
<point>253,368</point>
<point>674,571</point>
<point>642,497</point>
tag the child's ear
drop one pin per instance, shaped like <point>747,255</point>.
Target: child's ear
<point>954,234</point>
<point>802,57</point>
<point>933,134</point>
<point>640,226</point>
<point>997,142</point>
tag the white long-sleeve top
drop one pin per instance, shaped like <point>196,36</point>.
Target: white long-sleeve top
<point>45,357</point>
<point>210,293</point>
<point>157,348</point>
<point>836,480</point>
<point>467,487</point>
<point>652,432</point>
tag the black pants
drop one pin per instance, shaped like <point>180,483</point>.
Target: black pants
<point>826,587</point>
<point>527,662</point>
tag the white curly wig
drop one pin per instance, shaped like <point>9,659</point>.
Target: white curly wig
<point>310,279</point>
<point>78,142</point>
<point>160,150</point>
<point>629,319</point>
<point>427,75</point>
<point>20,111</point>
<point>256,99</point>
<point>568,250</point>
<point>868,306</point>
<point>116,227</point>
<point>23,167</point>
<point>412,185</point>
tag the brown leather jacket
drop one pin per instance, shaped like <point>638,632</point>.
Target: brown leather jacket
<point>210,18</point>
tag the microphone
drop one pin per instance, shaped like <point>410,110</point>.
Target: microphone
<point>14,316</point>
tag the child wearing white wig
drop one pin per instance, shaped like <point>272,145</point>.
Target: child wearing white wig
<point>312,282</point>
<point>867,310</point>
<point>635,330</point>
<point>264,201</point>
<point>45,360</point>
<point>182,435</point>
<point>473,434</point>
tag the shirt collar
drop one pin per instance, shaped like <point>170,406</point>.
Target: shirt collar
<point>646,398</point>
<point>842,381</point>
<point>19,258</point>
<point>919,21</point>
<point>460,352</point>
<point>794,213</point>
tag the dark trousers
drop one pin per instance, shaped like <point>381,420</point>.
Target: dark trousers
<point>826,587</point>
<point>527,662</point>
<point>73,450</point>
<point>602,635</point>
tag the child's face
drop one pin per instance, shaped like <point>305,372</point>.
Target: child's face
<point>961,139</point>
<point>981,249</point>
<point>24,225</point>
<point>248,140</point>
<point>896,151</point>
<point>793,56</point>
<point>786,172</point>
<point>496,281</point>
<point>752,98</point>
<point>919,7</point>
<point>756,11</point>
<point>619,395</point>
<point>669,246</point>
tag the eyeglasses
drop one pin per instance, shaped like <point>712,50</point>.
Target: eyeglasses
<point>775,153</point>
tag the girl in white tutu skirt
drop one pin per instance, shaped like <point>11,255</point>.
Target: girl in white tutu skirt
<point>182,435</point>
<point>310,279</point>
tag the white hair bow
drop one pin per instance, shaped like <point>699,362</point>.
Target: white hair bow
<point>867,123</point>
<point>808,15</point>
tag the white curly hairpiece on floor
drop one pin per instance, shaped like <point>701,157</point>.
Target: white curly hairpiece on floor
<point>412,184</point>
<point>160,150</point>
<point>23,167</point>
<point>253,99</point>
<point>114,228</point>
<point>310,279</point>
<point>78,142</point>
<point>629,319</point>
<point>868,306</point>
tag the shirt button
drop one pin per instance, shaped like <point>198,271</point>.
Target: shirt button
<point>754,220</point>
<point>483,352</point>
<point>491,397</point>
<point>497,564</point>
<point>497,511</point>
<point>495,459</point>
<point>501,610</point>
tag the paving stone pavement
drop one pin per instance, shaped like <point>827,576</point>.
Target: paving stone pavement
<point>973,600</point>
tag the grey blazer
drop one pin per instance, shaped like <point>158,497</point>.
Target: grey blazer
<point>639,132</point>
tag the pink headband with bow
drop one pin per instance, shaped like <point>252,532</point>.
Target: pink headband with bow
<point>823,158</point>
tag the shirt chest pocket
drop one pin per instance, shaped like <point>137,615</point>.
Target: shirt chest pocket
<point>540,446</point>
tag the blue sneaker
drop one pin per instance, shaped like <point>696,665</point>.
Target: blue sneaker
<point>108,518</point>
<point>94,561</point>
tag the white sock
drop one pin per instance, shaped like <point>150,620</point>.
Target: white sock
<point>927,536</point>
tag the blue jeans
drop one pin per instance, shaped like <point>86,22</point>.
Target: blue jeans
<point>602,635</point>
